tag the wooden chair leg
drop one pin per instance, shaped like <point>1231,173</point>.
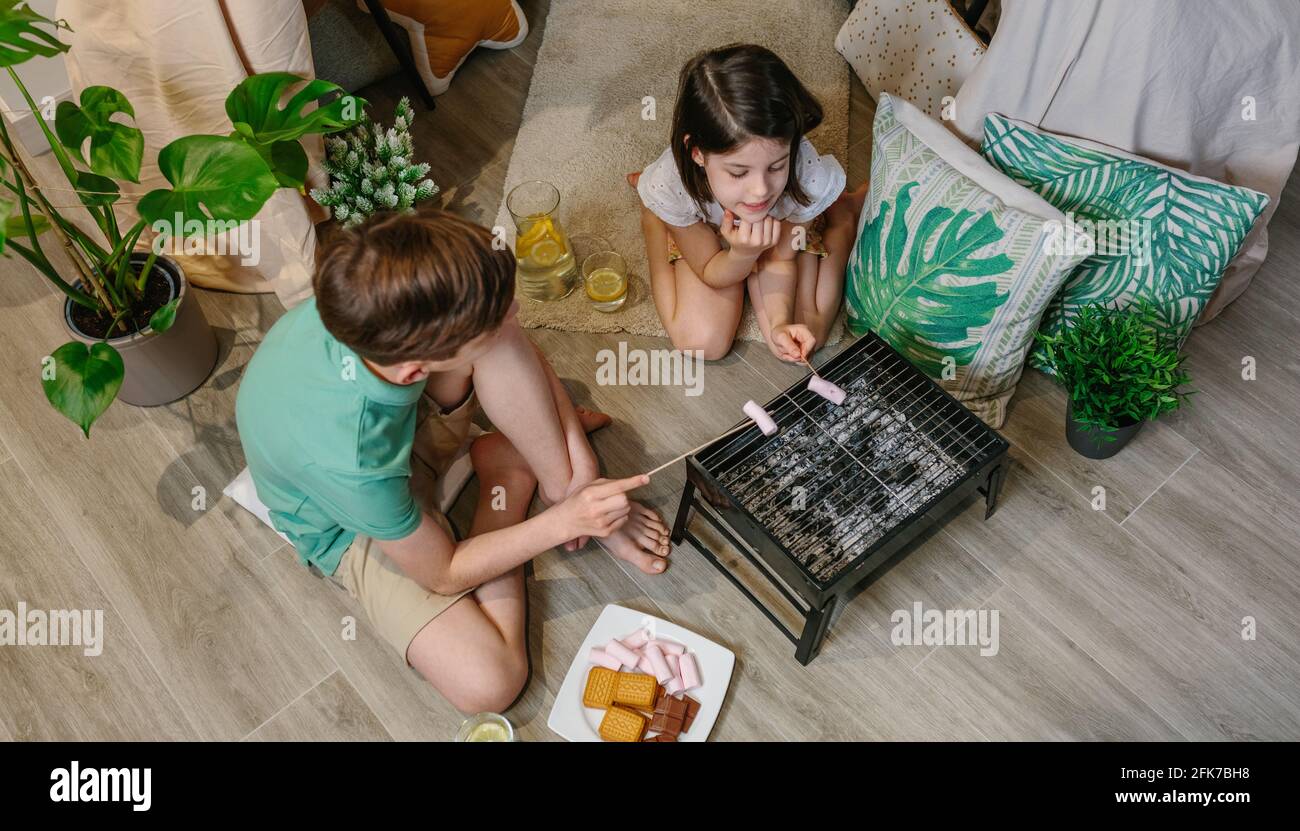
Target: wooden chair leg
<point>401,48</point>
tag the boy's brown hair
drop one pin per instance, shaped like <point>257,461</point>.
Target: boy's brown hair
<point>412,287</point>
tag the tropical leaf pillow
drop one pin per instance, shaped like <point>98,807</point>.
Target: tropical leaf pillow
<point>952,264</point>
<point>1156,233</point>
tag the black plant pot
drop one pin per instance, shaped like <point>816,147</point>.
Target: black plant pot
<point>1091,443</point>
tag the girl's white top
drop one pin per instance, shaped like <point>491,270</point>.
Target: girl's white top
<point>661,190</point>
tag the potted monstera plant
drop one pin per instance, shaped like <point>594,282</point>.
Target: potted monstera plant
<point>1120,372</point>
<point>136,332</point>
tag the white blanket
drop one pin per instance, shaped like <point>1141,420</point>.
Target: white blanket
<point>1205,86</point>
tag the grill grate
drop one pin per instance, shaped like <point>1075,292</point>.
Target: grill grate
<point>837,479</point>
<point>837,485</point>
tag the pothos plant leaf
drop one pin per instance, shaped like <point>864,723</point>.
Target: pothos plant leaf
<point>22,35</point>
<point>162,320</point>
<point>213,177</point>
<point>115,148</point>
<point>83,381</point>
<point>255,111</point>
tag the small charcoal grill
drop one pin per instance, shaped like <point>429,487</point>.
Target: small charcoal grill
<point>827,504</point>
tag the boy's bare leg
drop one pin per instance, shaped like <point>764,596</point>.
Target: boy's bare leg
<point>643,539</point>
<point>476,652</point>
<point>515,392</point>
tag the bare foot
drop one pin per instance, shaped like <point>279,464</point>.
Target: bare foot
<point>633,178</point>
<point>592,420</point>
<point>641,541</point>
<point>848,207</point>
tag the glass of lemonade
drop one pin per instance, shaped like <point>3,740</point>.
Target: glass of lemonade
<point>545,266</point>
<point>604,274</point>
<point>486,727</point>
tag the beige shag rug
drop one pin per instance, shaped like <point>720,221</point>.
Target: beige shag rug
<point>582,128</point>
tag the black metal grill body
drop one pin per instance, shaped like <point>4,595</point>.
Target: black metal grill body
<point>872,475</point>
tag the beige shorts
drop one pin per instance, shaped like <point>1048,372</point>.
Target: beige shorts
<point>396,605</point>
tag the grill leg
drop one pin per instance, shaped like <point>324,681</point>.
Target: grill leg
<point>683,513</point>
<point>814,629</point>
<point>991,489</point>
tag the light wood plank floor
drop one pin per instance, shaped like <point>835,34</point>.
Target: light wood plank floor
<point>1121,623</point>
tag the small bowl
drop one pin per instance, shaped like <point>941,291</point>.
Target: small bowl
<point>486,727</point>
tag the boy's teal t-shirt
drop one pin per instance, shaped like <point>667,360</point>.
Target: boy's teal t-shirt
<point>328,442</point>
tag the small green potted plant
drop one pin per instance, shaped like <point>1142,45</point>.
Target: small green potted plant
<point>136,333</point>
<point>1120,372</point>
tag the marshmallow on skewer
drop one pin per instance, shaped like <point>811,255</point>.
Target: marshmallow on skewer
<point>826,390</point>
<point>761,418</point>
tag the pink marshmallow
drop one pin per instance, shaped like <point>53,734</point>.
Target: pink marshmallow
<point>674,686</point>
<point>669,647</point>
<point>761,418</point>
<point>657,661</point>
<point>635,640</point>
<point>673,662</point>
<point>690,671</point>
<point>622,653</point>
<point>643,664</point>
<point>601,658</point>
<point>826,390</point>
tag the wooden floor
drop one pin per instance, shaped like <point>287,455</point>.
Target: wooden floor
<point>1122,623</point>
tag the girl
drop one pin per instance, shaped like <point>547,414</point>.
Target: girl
<point>738,165</point>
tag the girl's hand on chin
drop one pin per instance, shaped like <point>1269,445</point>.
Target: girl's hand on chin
<point>749,239</point>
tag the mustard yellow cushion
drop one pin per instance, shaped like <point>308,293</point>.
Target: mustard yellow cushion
<point>444,32</point>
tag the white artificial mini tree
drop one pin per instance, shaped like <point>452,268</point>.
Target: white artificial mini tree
<point>370,170</point>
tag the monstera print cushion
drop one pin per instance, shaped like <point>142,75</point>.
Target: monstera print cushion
<point>954,262</point>
<point>1157,234</point>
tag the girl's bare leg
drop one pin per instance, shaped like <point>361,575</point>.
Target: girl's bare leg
<point>694,315</point>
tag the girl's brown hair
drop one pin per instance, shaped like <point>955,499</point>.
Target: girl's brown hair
<point>412,287</point>
<point>729,95</point>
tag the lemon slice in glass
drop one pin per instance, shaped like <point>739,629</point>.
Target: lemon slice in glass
<point>605,285</point>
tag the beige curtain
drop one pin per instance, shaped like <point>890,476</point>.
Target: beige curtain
<point>1212,88</point>
<point>176,62</point>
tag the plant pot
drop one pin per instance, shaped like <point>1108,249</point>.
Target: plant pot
<point>1089,442</point>
<point>161,368</point>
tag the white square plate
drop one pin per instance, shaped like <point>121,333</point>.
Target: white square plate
<point>582,724</point>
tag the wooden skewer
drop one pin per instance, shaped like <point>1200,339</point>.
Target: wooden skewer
<point>735,429</point>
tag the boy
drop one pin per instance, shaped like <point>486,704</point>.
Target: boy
<point>422,304</point>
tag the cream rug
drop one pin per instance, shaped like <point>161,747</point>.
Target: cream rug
<point>582,128</point>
